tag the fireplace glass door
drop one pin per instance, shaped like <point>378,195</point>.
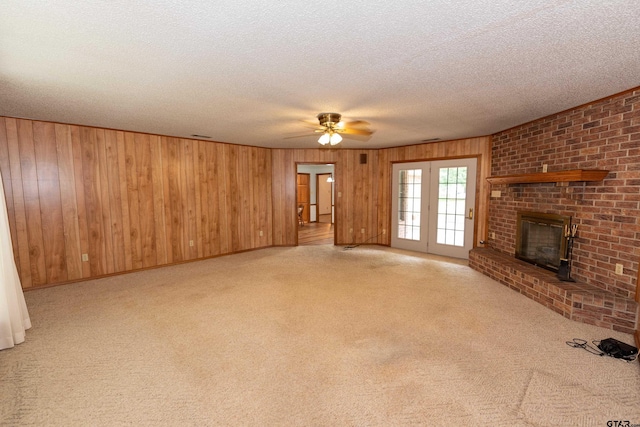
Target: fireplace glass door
<point>540,238</point>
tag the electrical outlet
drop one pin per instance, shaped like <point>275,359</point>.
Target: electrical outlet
<point>261,233</point>
<point>544,168</point>
<point>362,230</point>
<point>384,231</point>
<point>85,257</point>
<point>492,235</point>
<point>496,193</point>
<point>619,269</point>
<point>190,242</point>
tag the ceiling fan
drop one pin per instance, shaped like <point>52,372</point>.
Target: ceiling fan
<point>332,129</point>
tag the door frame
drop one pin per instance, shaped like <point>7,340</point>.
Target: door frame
<point>478,158</point>
<point>334,207</point>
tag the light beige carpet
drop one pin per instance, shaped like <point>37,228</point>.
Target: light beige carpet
<point>308,336</point>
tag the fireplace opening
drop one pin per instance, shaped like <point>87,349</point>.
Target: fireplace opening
<point>540,238</point>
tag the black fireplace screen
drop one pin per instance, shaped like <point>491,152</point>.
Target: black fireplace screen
<point>540,238</point>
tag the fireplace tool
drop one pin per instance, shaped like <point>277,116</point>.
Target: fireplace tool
<point>564,270</point>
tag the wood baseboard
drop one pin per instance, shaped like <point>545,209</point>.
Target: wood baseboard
<point>119,273</point>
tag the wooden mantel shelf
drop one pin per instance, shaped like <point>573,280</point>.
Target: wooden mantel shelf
<point>561,176</point>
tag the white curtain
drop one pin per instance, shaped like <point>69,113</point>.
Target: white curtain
<point>14,317</point>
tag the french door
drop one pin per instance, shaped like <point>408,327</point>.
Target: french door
<point>433,206</point>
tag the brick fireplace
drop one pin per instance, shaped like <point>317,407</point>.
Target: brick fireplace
<point>603,135</point>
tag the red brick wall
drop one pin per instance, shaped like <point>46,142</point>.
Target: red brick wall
<point>602,135</point>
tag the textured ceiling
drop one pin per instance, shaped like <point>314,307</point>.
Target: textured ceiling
<point>249,71</point>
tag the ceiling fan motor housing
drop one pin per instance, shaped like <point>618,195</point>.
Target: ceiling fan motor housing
<point>329,119</point>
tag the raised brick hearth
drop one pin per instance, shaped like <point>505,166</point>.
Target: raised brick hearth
<point>576,301</point>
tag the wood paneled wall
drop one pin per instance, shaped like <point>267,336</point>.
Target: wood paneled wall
<point>363,191</point>
<point>127,200</point>
<point>355,193</point>
<point>131,200</point>
<point>479,147</point>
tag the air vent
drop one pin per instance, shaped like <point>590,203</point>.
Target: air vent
<point>431,140</point>
<point>200,136</point>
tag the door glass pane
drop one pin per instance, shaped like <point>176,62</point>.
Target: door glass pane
<point>409,200</point>
<point>452,189</point>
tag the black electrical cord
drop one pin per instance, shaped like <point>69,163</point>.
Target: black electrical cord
<point>355,245</point>
<point>580,343</point>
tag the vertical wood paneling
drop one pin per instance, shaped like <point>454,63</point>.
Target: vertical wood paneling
<point>5,172</point>
<point>131,173</point>
<point>212,219</point>
<point>254,202</point>
<point>266,199</point>
<point>145,200</point>
<point>78,174</point>
<point>174,212</point>
<point>231,155</point>
<point>93,201</point>
<point>187,190</point>
<point>222,213</point>
<point>128,200</point>
<point>68,198</point>
<point>32,202</point>
<point>114,197</point>
<point>198,200</point>
<point>157,169</point>
<point>383,178</point>
<point>50,203</point>
<point>245,197</point>
<point>122,185</point>
<point>277,197</point>
<point>13,146</point>
<point>107,260</point>
<point>204,167</point>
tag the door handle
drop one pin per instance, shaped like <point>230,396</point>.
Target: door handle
<point>470,214</point>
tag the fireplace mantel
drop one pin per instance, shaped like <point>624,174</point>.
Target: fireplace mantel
<point>560,176</point>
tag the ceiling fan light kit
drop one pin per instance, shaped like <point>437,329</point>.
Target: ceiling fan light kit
<point>324,138</point>
<point>330,137</point>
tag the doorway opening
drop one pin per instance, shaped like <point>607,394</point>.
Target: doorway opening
<point>315,196</point>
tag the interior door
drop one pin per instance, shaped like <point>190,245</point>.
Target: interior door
<point>433,206</point>
<point>304,195</point>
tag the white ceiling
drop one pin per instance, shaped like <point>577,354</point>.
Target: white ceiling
<point>249,71</point>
